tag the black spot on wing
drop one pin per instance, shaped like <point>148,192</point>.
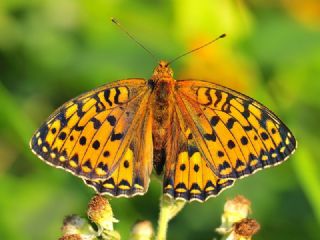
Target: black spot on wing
<point>220,153</point>
<point>195,186</point>
<point>80,113</point>
<point>209,184</point>
<point>246,112</point>
<point>210,137</point>
<point>223,166</point>
<point>62,118</point>
<point>96,144</point>
<point>264,135</point>
<point>181,185</point>
<point>196,168</point>
<point>99,106</point>
<point>248,128</point>
<point>75,158</point>
<point>88,164</point>
<point>107,97</point>
<point>239,163</point>
<point>230,123</point>
<point>116,97</point>
<point>112,120</point>
<point>116,136</point>
<point>78,128</point>
<point>207,93</point>
<point>96,123</point>
<point>182,167</point>
<point>62,136</point>
<point>83,140</point>
<point>264,118</point>
<point>244,140</point>
<point>218,96</point>
<point>231,144</point>
<point>103,166</point>
<point>124,182</point>
<point>191,150</point>
<point>226,106</point>
<point>106,153</point>
<point>214,120</point>
<point>126,164</point>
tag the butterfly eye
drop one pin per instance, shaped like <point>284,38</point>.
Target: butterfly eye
<point>163,64</point>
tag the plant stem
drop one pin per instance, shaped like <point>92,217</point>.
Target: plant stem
<point>168,209</point>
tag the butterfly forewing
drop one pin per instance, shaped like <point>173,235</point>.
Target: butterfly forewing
<point>90,134</point>
<point>241,134</point>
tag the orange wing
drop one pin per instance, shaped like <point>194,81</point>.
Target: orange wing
<point>235,134</point>
<point>219,135</point>
<point>187,175</point>
<point>93,134</point>
<point>132,175</point>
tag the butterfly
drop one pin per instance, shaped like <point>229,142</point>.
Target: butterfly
<point>199,136</point>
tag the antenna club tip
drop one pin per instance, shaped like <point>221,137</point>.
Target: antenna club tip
<point>113,20</point>
<point>223,35</point>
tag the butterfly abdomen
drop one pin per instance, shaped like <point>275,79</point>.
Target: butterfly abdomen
<point>162,105</point>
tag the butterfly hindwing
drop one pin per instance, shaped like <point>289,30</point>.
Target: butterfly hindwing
<point>132,174</point>
<point>187,175</point>
<point>90,134</point>
<point>236,134</point>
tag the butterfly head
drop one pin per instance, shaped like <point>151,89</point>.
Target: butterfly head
<point>162,71</point>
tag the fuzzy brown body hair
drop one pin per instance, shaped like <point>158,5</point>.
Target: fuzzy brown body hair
<point>162,104</point>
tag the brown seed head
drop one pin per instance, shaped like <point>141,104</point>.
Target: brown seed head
<point>246,227</point>
<point>100,212</point>
<point>71,237</point>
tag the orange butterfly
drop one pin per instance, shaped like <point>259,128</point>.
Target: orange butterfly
<point>200,135</point>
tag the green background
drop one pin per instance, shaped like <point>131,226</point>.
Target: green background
<point>53,50</point>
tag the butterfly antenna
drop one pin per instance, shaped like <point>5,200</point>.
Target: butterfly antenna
<point>196,49</point>
<point>115,21</point>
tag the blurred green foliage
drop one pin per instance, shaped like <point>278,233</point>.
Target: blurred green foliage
<point>53,50</point>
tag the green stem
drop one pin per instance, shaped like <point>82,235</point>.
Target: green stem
<point>169,208</point>
<point>162,225</point>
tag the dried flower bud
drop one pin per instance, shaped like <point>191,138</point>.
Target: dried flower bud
<point>71,237</point>
<point>239,207</point>
<point>100,212</point>
<point>75,227</point>
<point>142,230</point>
<point>234,211</point>
<point>246,227</point>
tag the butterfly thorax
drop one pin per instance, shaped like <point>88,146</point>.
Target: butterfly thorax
<point>162,72</point>
<point>162,104</point>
